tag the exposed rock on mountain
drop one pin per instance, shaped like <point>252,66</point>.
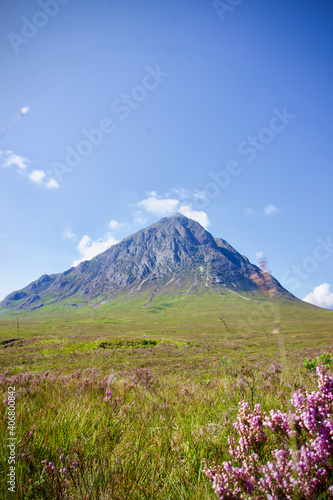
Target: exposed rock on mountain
<point>175,255</point>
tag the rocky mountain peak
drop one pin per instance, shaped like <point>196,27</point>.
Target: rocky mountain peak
<point>174,255</point>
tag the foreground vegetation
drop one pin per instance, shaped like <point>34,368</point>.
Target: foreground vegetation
<point>108,409</point>
<point>129,431</point>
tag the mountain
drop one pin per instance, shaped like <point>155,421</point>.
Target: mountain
<point>175,255</point>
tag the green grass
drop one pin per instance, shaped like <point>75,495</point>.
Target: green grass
<point>177,370</point>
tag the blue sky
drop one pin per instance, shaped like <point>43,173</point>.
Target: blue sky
<point>220,110</point>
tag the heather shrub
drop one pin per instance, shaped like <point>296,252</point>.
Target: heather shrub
<point>281,455</point>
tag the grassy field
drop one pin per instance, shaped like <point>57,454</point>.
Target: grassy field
<point>125,401</point>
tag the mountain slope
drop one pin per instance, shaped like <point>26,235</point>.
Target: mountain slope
<point>174,255</point>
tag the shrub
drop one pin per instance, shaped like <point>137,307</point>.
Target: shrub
<point>280,455</point>
<point>312,364</point>
<point>128,344</point>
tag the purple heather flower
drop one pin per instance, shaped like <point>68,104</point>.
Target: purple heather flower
<point>301,472</point>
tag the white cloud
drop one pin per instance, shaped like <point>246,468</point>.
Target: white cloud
<point>152,193</point>
<point>158,206</point>
<point>164,206</point>
<point>52,184</point>
<point>114,224</point>
<point>197,215</point>
<point>259,255</point>
<point>68,235</point>
<point>88,248</point>
<point>321,296</point>
<point>270,209</point>
<point>37,176</point>
<point>12,159</point>
<point>249,211</point>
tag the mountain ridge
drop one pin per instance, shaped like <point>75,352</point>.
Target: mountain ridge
<point>174,254</point>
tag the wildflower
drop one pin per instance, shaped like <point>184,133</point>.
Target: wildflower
<point>301,472</point>
<point>144,377</point>
<point>48,466</point>
<point>108,397</point>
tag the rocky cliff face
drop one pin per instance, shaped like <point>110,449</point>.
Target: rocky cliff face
<point>174,255</point>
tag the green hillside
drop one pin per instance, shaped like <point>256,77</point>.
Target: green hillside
<point>232,322</point>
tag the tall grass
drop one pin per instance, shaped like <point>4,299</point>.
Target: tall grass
<point>134,433</point>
